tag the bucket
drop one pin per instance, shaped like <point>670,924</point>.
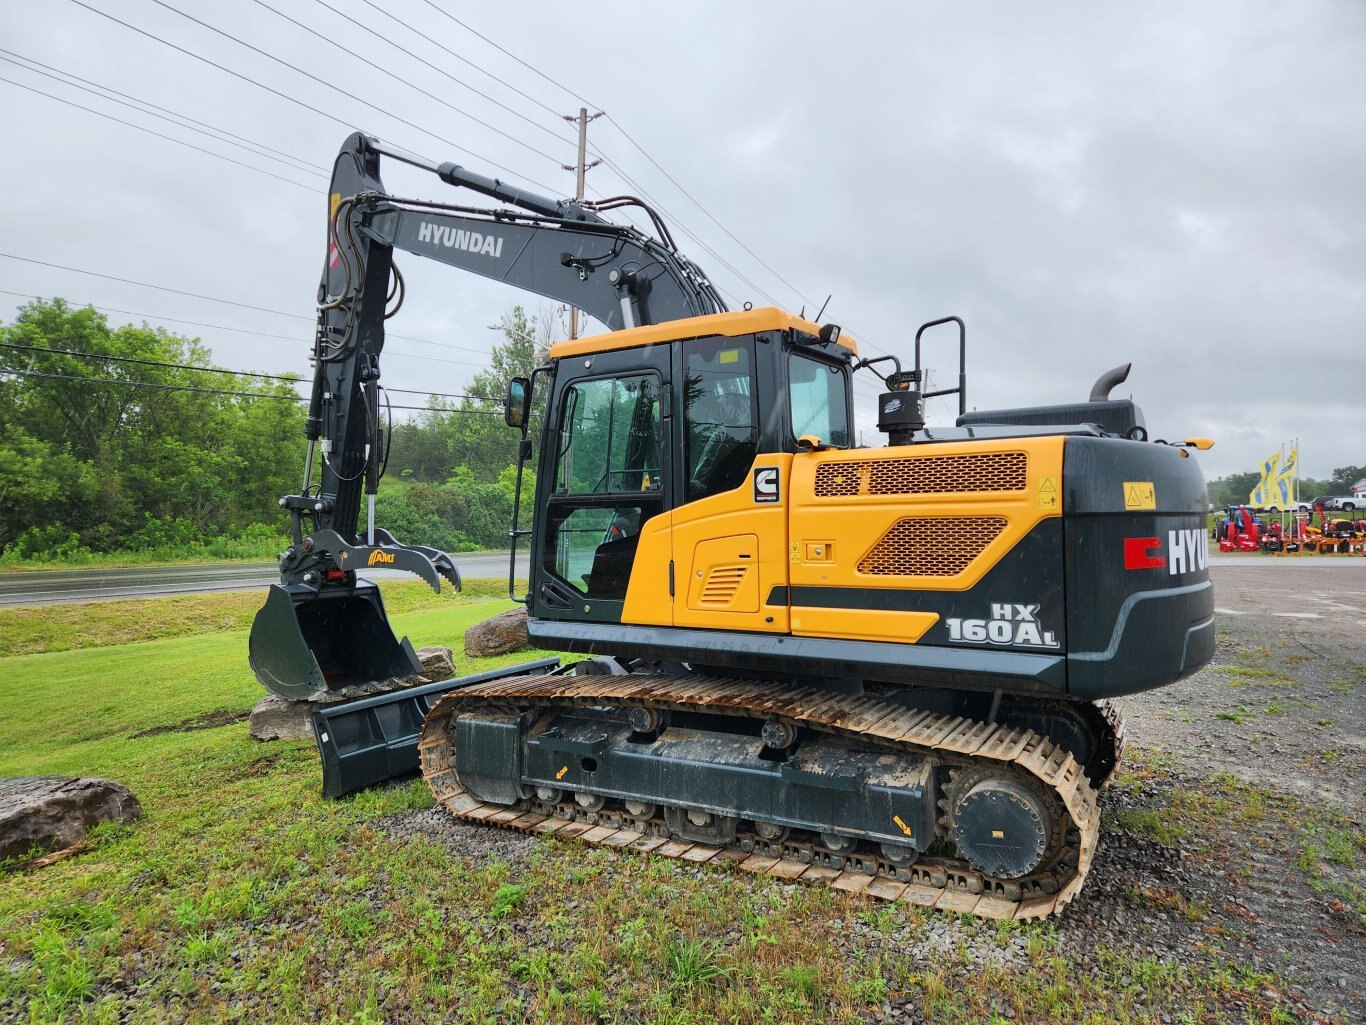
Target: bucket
<point>305,645</point>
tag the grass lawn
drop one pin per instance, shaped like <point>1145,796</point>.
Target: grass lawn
<point>241,894</point>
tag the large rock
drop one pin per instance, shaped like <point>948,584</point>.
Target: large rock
<point>437,663</point>
<point>499,635</point>
<point>277,718</point>
<point>54,812</point>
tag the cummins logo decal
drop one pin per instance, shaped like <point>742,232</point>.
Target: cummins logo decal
<point>459,238</point>
<point>766,484</point>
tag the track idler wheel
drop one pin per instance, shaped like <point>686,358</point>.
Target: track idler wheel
<point>1003,824</point>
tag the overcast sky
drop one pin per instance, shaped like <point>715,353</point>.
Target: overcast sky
<point>1181,186</point>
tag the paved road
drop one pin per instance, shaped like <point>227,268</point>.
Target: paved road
<point>1330,572</point>
<point>1329,589</point>
<point>144,582</point>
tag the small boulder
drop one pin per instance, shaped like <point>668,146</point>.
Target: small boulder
<point>277,718</point>
<point>437,663</point>
<point>499,635</point>
<point>55,812</point>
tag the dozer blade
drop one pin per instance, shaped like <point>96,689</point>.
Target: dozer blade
<point>305,645</point>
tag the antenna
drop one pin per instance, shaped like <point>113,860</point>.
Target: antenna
<point>817,318</point>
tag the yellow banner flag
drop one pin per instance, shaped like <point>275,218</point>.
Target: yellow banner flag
<point>1263,492</point>
<point>1285,479</point>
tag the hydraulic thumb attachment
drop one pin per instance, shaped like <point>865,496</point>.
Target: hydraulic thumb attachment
<point>430,564</point>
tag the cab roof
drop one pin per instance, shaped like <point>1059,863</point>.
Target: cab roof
<point>744,322</point>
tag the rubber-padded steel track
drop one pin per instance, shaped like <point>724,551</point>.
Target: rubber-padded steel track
<point>945,883</point>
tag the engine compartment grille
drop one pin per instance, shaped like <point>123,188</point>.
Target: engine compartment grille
<point>927,475</point>
<point>931,546</point>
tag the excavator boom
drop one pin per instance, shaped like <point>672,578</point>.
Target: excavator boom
<point>323,630</point>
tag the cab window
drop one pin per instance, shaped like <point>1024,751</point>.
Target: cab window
<point>610,437</point>
<point>721,433</point>
<point>816,393</point>
<point>608,482</point>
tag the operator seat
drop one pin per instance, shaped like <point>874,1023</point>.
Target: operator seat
<point>728,448</point>
<point>612,568</point>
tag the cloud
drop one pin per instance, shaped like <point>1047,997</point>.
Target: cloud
<point>1177,185</point>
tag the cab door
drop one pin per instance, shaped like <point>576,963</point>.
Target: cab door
<point>610,465</point>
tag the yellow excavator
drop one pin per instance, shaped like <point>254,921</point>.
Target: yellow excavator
<point>888,669</point>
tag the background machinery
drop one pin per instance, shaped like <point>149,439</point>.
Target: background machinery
<point>888,668</point>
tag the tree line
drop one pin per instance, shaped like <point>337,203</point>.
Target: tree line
<point>1235,488</point>
<point>130,440</point>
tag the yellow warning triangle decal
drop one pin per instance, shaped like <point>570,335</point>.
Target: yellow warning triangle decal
<point>1048,485</point>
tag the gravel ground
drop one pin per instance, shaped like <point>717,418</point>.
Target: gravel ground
<point>1281,709</point>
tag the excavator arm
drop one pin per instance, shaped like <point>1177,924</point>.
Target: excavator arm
<point>323,630</point>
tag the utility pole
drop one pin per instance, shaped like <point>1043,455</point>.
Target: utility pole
<point>580,168</point>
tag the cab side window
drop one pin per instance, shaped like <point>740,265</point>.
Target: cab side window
<point>610,436</point>
<point>721,432</point>
<point>608,481</point>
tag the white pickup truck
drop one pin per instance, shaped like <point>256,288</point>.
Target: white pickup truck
<point>1335,503</point>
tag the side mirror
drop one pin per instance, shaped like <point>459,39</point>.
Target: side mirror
<point>516,405</point>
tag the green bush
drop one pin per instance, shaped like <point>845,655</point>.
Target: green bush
<point>51,543</point>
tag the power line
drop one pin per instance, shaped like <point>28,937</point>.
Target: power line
<point>390,353</point>
<point>220,67</point>
<point>633,184</point>
<point>159,288</point>
<point>159,135</point>
<point>399,78</point>
<point>152,384</point>
<point>796,291</point>
<point>322,113</point>
<point>227,302</point>
<point>166,114</point>
<point>276,92</point>
<point>220,391</point>
<point>336,88</point>
<point>296,379</point>
<point>509,53</point>
<point>620,173</point>
<point>148,362</point>
<point>597,152</point>
<point>443,71</point>
<point>173,320</point>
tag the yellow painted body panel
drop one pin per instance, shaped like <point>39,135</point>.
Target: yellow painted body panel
<point>647,592</point>
<point>714,542</point>
<point>730,325</point>
<point>861,624</point>
<point>831,536</point>
<point>730,553</point>
<point>725,575</point>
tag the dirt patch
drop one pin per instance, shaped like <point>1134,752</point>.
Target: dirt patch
<point>1231,884</point>
<point>207,721</point>
<point>259,766</point>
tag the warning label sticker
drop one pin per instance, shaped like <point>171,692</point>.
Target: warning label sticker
<point>1048,494</point>
<point>1139,494</point>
